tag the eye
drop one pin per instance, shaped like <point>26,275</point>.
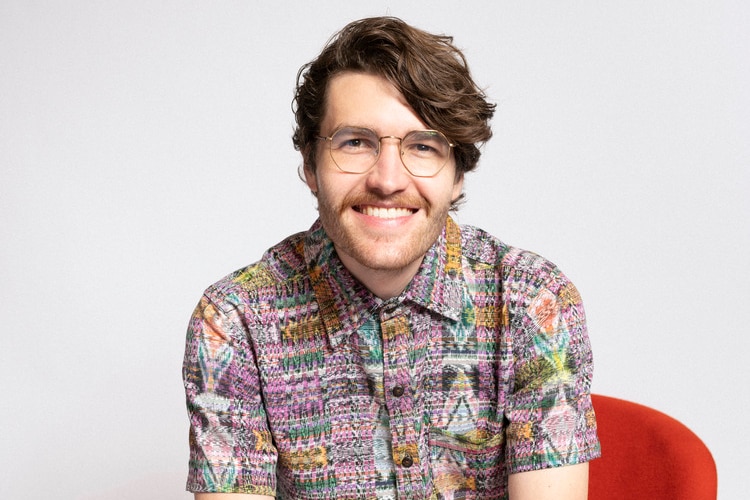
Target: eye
<point>425,144</point>
<point>423,148</point>
<point>354,141</point>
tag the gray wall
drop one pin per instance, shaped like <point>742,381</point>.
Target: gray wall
<point>145,153</point>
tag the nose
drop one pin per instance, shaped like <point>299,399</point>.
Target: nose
<point>388,176</point>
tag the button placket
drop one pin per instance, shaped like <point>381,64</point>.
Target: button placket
<point>396,366</point>
<point>397,340</point>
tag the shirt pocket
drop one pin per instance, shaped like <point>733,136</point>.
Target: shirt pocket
<point>468,466</point>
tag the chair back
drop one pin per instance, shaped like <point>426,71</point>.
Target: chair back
<point>647,455</point>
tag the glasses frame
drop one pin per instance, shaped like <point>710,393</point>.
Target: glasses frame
<point>329,139</point>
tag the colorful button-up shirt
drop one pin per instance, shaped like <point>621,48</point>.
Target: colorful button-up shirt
<point>302,384</point>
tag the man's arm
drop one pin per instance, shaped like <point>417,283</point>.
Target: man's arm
<point>231,447</point>
<point>231,496</point>
<point>570,482</point>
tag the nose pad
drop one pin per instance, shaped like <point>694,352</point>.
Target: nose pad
<point>394,148</point>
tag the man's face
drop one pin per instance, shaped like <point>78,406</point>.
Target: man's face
<point>385,219</point>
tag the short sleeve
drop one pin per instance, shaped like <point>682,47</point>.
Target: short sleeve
<point>551,418</point>
<point>231,449</point>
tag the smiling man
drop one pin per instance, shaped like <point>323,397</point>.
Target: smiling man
<point>388,353</point>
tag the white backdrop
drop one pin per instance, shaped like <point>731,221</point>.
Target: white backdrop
<point>146,152</point>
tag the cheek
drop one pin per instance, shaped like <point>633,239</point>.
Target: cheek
<point>333,187</point>
<point>442,190</point>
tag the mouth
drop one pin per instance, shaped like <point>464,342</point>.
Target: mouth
<point>385,212</point>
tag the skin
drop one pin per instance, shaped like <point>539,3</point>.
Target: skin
<point>560,483</point>
<point>382,253</point>
<point>385,253</point>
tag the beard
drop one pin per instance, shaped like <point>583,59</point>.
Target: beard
<point>389,251</point>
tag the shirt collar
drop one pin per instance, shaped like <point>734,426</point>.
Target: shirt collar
<point>345,304</point>
<point>438,285</point>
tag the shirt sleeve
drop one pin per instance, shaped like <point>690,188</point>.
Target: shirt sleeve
<point>231,449</point>
<point>551,418</point>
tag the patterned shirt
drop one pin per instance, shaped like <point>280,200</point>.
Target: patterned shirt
<point>302,384</point>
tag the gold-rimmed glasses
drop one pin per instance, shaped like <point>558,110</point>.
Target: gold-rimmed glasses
<point>356,150</point>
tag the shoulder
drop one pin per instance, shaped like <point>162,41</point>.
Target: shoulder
<point>482,248</point>
<point>281,263</point>
<point>520,271</point>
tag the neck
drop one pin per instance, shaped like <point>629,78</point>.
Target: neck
<point>384,283</point>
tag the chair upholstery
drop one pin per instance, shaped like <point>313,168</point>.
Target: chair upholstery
<point>647,455</point>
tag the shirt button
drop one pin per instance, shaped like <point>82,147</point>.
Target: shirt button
<point>407,461</point>
<point>398,391</point>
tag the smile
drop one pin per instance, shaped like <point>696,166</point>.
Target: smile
<point>383,212</point>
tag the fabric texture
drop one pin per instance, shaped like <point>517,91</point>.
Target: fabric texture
<point>302,384</point>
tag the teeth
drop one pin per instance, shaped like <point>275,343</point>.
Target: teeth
<point>386,213</point>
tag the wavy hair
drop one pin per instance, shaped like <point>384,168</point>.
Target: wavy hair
<point>430,72</point>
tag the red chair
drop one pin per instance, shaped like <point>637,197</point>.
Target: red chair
<point>647,455</point>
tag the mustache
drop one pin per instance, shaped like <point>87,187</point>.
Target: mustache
<point>399,200</point>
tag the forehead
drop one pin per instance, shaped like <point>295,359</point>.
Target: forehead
<point>368,101</point>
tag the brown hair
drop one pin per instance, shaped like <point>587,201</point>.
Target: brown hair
<point>430,72</point>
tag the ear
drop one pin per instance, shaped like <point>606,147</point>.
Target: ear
<point>458,186</point>
<point>310,179</point>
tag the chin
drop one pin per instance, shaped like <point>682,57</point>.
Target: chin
<point>377,258</point>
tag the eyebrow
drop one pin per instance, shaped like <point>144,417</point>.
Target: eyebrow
<point>339,126</point>
<point>349,125</point>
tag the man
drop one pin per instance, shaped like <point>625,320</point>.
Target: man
<point>387,352</point>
